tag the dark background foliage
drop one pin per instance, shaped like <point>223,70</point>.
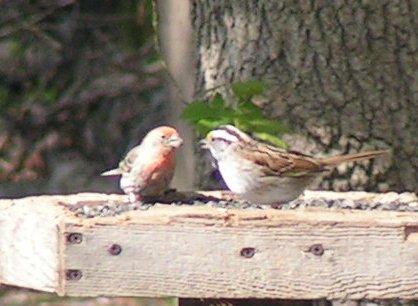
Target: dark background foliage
<point>80,82</point>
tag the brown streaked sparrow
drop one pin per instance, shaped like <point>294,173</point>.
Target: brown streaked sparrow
<point>148,168</point>
<point>264,174</point>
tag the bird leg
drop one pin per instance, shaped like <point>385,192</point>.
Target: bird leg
<point>134,197</point>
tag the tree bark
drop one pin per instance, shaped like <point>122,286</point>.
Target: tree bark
<point>342,75</point>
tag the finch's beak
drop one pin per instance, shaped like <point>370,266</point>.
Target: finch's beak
<point>204,144</point>
<point>175,141</point>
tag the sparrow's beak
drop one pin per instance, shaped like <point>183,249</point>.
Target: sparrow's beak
<point>175,141</point>
<point>204,144</point>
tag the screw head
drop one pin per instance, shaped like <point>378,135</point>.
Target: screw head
<point>73,274</point>
<point>74,238</point>
<point>247,252</point>
<point>317,249</point>
<point>115,249</point>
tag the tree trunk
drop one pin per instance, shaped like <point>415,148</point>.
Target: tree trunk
<point>175,46</point>
<point>343,76</point>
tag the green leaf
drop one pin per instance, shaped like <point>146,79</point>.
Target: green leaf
<point>218,102</point>
<point>204,126</point>
<point>249,110</point>
<point>242,124</point>
<point>268,126</point>
<point>244,91</point>
<point>220,110</point>
<point>195,111</point>
<point>274,140</point>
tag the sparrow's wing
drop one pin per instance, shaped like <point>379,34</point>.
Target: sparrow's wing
<point>274,161</point>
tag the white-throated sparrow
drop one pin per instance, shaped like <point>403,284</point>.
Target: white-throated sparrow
<point>265,174</point>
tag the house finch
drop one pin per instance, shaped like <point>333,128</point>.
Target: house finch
<point>148,168</point>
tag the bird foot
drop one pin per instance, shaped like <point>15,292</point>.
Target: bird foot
<point>168,191</point>
<point>134,198</point>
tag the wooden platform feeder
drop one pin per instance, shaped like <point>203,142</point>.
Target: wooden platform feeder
<point>209,252</point>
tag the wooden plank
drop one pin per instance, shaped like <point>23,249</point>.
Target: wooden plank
<point>230,253</point>
<point>28,244</point>
<point>29,239</point>
<point>208,252</point>
<point>245,302</point>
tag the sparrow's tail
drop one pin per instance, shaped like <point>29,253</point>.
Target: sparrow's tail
<point>336,160</point>
<point>112,172</point>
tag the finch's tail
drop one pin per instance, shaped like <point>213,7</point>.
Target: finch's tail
<point>336,160</point>
<point>112,172</point>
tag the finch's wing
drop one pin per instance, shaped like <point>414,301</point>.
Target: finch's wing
<point>155,171</point>
<point>130,160</point>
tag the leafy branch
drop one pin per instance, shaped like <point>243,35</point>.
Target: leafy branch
<point>205,116</point>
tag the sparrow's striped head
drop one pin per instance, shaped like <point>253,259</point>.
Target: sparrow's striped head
<point>229,134</point>
<point>221,139</point>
